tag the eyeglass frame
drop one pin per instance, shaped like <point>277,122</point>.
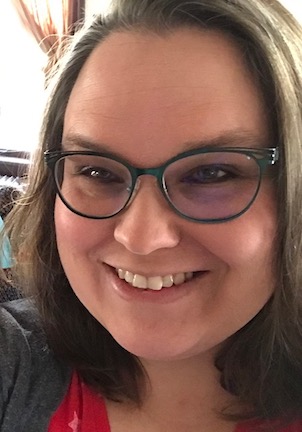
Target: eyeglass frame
<point>264,157</point>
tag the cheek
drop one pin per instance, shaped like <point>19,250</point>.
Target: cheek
<point>248,245</point>
<point>76,235</point>
<point>252,237</point>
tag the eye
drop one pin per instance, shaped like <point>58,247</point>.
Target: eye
<point>209,174</point>
<point>98,173</point>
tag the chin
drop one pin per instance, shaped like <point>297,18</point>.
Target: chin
<point>158,349</point>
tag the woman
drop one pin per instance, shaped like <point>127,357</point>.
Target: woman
<point>163,237</point>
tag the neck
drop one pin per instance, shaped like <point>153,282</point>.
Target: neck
<point>187,387</point>
<point>182,395</point>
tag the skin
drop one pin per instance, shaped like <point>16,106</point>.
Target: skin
<point>145,97</point>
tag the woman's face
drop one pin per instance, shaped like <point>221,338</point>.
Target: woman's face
<point>144,97</point>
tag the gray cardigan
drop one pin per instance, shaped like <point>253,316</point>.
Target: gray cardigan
<point>32,381</point>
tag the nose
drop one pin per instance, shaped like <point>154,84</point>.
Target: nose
<point>148,224</point>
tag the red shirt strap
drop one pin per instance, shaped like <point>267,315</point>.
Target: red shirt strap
<point>256,426</point>
<point>81,410</point>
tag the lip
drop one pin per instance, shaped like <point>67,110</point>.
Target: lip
<point>165,295</point>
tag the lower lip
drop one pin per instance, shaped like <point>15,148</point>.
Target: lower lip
<point>165,295</point>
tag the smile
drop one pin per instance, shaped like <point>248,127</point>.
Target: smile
<point>155,283</point>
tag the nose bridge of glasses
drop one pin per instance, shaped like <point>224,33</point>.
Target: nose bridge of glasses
<point>154,173</point>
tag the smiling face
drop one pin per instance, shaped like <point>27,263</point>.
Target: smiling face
<point>147,98</point>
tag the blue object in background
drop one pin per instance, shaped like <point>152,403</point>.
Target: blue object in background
<point>5,250</point>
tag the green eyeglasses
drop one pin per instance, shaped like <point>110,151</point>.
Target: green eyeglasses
<point>207,185</point>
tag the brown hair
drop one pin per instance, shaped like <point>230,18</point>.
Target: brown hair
<point>261,363</point>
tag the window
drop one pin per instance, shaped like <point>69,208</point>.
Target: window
<point>21,83</point>
<point>295,7</point>
<point>95,6</point>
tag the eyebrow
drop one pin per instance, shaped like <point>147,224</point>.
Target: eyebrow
<point>78,142</point>
<point>236,138</point>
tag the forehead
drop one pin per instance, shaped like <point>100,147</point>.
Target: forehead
<point>146,96</point>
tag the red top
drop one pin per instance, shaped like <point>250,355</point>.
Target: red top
<point>82,410</point>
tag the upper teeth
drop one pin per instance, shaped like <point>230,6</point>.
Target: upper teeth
<point>155,283</point>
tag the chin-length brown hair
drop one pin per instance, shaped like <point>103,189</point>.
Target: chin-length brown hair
<point>261,363</point>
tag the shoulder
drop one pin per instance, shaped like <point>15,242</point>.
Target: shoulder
<point>19,328</point>
<point>32,380</point>
<point>20,331</point>
<point>21,310</point>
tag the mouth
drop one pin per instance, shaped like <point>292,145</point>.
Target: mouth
<point>155,283</point>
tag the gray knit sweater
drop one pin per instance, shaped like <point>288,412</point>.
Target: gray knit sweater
<point>32,381</point>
